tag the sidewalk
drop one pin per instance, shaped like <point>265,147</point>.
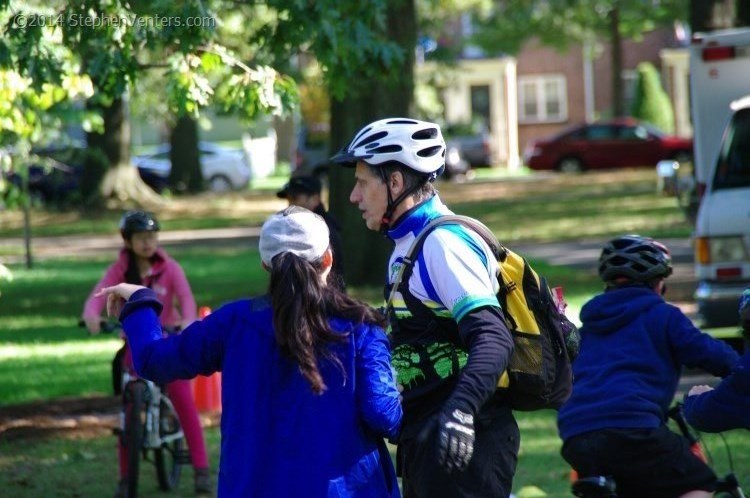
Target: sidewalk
<point>582,254</point>
<point>90,245</point>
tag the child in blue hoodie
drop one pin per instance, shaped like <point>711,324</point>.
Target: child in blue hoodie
<point>728,406</point>
<point>633,346</point>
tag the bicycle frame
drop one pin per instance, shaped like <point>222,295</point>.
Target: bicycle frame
<point>152,436</point>
<point>149,425</point>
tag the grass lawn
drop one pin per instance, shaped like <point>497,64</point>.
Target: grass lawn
<point>87,467</point>
<point>43,353</point>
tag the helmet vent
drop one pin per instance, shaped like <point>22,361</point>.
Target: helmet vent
<point>430,151</point>
<point>372,138</point>
<point>425,134</point>
<point>386,149</point>
<point>402,121</point>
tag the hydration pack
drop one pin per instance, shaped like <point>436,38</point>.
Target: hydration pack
<point>539,373</point>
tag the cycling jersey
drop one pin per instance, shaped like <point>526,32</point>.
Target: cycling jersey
<point>454,275</point>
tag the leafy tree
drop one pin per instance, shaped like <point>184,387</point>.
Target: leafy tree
<point>389,92</point>
<point>115,42</point>
<point>559,23</point>
<point>31,108</point>
<point>651,103</point>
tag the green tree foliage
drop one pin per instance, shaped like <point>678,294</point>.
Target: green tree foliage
<point>651,103</point>
<point>208,53</point>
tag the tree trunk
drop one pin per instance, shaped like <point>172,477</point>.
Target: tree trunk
<point>618,100</point>
<point>108,172</point>
<point>392,94</point>
<point>185,175</point>
<point>105,149</point>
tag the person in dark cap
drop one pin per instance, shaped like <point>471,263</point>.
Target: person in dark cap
<point>304,191</point>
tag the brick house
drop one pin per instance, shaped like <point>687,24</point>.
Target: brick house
<point>552,89</point>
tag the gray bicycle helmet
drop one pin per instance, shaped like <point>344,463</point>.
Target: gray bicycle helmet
<point>419,145</point>
<point>632,258</point>
<point>137,221</point>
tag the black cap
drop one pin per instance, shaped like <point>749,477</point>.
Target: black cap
<point>300,185</point>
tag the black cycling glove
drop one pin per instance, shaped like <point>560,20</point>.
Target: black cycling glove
<point>455,439</point>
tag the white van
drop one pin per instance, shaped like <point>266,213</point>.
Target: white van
<point>722,231</point>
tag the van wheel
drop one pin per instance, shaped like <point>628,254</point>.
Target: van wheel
<point>570,165</point>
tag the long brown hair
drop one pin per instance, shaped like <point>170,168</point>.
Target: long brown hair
<point>302,305</point>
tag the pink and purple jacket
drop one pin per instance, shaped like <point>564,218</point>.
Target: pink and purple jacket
<point>166,279</point>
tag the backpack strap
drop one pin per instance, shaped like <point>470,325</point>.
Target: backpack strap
<point>411,254</point>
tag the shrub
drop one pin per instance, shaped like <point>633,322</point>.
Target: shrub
<point>651,103</point>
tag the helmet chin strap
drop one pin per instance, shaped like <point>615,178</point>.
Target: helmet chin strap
<point>386,220</point>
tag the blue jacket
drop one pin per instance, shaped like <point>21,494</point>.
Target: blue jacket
<point>633,347</point>
<point>278,438</point>
<point>726,407</point>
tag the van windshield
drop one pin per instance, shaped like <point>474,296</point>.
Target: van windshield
<point>733,166</point>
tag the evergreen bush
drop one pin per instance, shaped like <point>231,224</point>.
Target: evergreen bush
<point>651,103</point>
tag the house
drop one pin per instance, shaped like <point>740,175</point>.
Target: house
<point>484,91</point>
<point>542,90</point>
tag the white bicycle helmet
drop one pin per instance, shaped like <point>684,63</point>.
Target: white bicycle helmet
<point>416,144</point>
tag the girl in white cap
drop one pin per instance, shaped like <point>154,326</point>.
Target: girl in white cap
<point>308,392</point>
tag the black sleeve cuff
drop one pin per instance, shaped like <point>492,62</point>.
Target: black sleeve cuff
<point>490,345</point>
<point>140,299</point>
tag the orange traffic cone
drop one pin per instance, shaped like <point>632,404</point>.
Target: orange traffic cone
<point>207,390</point>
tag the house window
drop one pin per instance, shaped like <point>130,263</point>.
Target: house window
<point>542,99</point>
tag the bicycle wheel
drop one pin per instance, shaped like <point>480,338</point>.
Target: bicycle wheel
<point>135,420</point>
<point>171,455</point>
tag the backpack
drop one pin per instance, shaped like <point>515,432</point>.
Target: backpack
<point>539,373</point>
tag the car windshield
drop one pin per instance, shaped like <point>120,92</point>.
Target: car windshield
<point>733,166</point>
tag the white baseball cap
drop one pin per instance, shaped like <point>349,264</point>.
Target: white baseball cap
<point>296,230</point>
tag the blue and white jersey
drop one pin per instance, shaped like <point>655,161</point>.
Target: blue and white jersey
<point>454,273</point>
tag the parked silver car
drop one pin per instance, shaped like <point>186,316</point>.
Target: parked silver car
<point>223,169</point>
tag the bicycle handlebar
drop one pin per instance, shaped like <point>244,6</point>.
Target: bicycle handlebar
<point>675,413</point>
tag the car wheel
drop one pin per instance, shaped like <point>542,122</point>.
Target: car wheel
<point>570,165</point>
<point>219,183</point>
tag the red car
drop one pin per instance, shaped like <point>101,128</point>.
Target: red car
<point>622,143</point>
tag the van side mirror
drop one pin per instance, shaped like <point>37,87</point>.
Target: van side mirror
<point>667,177</point>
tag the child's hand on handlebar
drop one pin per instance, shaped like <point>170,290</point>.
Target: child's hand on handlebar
<point>117,295</point>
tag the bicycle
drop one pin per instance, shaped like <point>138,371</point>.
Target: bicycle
<point>606,487</point>
<point>149,428</point>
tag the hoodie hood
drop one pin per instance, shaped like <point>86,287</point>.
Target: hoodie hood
<point>614,309</point>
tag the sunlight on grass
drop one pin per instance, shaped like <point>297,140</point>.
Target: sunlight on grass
<point>57,350</point>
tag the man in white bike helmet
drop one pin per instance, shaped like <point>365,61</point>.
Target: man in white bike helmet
<point>448,335</point>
